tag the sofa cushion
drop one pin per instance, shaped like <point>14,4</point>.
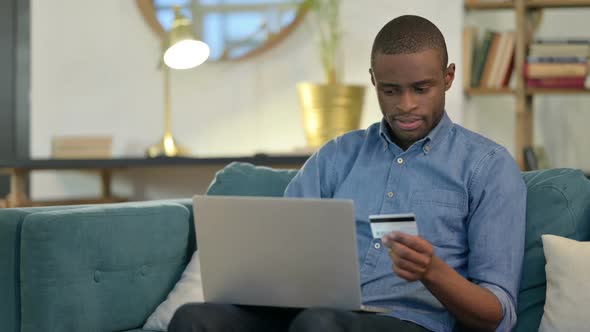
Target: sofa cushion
<point>10,228</point>
<point>244,179</point>
<point>558,204</point>
<point>100,268</point>
<point>568,267</point>
<point>189,289</point>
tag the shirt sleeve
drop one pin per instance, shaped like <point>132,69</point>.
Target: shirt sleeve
<point>496,230</point>
<point>317,177</point>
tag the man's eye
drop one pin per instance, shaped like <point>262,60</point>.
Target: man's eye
<point>421,90</point>
<point>390,91</point>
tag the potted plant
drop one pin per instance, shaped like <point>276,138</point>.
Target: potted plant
<point>332,108</point>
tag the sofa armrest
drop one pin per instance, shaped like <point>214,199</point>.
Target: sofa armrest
<point>100,268</point>
<point>10,225</point>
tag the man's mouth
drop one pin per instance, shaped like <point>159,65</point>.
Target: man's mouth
<point>408,124</point>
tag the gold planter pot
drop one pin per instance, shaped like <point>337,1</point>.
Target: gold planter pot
<point>329,110</point>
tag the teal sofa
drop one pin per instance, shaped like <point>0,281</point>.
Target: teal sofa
<point>107,267</point>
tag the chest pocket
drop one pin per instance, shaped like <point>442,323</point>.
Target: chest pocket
<point>440,215</point>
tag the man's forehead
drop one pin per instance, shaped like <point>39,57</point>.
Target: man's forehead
<point>395,82</point>
<point>428,57</point>
<point>428,53</point>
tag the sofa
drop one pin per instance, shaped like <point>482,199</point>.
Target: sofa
<point>107,267</point>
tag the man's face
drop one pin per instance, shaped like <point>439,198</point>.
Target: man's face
<point>411,92</point>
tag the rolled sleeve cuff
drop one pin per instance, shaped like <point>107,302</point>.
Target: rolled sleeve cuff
<point>508,307</point>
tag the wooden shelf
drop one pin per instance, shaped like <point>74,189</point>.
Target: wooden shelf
<point>20,170</point>
<point>538,91</point>
<point>474,4</point>
<point>529,91</point>
<point>488,91</point>
<point>523,96</point>
<point>557,3</point>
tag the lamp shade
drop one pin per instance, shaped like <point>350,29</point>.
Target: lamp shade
<point>184,50</point>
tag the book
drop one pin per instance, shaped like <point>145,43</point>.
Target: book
<point>496,59</point>
<point>502,60</point>
<point>542,70</point>
<point>507,63</point>
<point>81,147</point>
<point>560,50</point>
<point>556,59</point>
<point>561,41</point>
<point>480,57</point>
<point>469,42</point>
<point>490,61</point>
<point>556,83</point>
<point>508,72</point>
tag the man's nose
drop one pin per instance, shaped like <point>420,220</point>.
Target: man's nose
<point>407,101</point>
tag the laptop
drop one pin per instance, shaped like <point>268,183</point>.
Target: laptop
<point>280,252</point>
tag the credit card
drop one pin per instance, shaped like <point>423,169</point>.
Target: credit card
<point>382,224</point>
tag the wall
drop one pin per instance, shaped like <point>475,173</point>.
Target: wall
<point>94,72</point>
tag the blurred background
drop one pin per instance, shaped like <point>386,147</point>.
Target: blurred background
<point>82,68</point>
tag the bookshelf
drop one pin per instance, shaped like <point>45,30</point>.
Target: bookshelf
<point>523,95</point>
<point>540,4</point>
<point>540,91</point>
<point>475,4</point>
<point>488,91</point>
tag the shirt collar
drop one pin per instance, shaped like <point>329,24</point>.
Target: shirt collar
<point>435,136</point>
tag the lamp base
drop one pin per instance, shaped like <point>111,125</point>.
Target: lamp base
<point>167,147</point>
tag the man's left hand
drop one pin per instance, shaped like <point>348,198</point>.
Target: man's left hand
<point>412,256</point>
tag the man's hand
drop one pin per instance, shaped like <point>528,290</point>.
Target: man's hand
<point>413,259</point>
<point>412,256</point>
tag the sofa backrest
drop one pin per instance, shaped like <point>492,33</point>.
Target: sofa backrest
<point>102,267</point>
<point>10,228</point>
<point>244,179</point>
<point>558,203</point>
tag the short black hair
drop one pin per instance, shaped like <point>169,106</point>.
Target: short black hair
<point>409,34</point>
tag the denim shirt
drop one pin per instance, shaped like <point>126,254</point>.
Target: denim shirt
<point>469,199</point>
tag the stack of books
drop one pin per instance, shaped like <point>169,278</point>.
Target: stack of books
<point>489,63</point>
<point>558,63</point>
<point>81,147</point>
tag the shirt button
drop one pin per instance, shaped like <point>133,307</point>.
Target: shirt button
<point>400,160</point>
<point>427,148</point>
<point>377,245</point>
<point>390,194</point>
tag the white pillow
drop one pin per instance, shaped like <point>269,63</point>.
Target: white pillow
<point>568,287</point>
<point>188,289</point>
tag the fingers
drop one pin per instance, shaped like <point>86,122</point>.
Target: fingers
<point>414,242</point>
<point>409,254</point>
<point>406,275</point>
<point>407,265</point>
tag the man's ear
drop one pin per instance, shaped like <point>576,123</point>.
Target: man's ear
<point>449,76</point>
<point>372,76</point>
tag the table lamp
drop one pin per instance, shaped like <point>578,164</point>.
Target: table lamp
<point>183,51</point>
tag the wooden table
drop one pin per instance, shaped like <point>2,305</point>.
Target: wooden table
<point>19,171</point>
